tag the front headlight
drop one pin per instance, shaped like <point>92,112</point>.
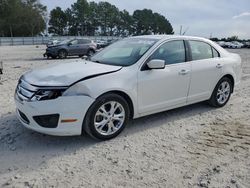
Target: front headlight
<point>55,92</point>
<point>47,94</point>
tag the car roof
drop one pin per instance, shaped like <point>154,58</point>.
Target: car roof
<point>164,37</point>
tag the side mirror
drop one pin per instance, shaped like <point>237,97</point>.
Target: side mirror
<point>156,64</point>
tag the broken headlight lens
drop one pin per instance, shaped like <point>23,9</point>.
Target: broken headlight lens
<point>45,94</point>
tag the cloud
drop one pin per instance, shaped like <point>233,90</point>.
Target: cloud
<point>244,14</point>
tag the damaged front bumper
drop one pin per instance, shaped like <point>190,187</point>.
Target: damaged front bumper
<point>52,116</point>
<point>50,53</point>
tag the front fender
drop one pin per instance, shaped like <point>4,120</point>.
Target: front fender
<point>119,81</point>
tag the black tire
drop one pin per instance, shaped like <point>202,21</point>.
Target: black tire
<point>53,56</point>
<point>62,54</point>
<point>90,52</point>
<point>213,101</point>
<point>88,124</point>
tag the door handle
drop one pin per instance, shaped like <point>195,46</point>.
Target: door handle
<point>219,66</point>
<point>183,72</point>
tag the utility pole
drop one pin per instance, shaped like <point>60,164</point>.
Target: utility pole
<point>211,35</point>
<point>185,31</point>
<point>46,18</point>
<point>181,30</point>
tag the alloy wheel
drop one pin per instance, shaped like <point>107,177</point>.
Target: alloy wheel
<point>91,53</point>
<point>223,92</point>
<point>109,118</point>
<point>62,55</point>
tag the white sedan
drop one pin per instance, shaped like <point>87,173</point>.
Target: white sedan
<point>132,78</point>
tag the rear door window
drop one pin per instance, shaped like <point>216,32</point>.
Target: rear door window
<point>74,42</point>
<point>200,50</point>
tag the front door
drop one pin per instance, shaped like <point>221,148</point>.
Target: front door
<point>161,89</point>
<point>83,46</point>
<point>73,47</point>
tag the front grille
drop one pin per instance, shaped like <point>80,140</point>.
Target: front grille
<point>25,91</point>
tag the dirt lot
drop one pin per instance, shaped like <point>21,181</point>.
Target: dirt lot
<point>194,146</point>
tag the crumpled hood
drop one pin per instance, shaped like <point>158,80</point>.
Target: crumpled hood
<point>67,73</point>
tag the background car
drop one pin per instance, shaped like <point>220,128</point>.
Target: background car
<point>104,43</point>
<point>101,44</point>
<point>222,44</point>
<point>234,44</point>
<point>247,45</point>
<point>75,47</point>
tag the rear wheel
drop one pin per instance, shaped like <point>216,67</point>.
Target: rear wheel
<point>62,54</point>
<point>221,93</point>
<point>107,117</point>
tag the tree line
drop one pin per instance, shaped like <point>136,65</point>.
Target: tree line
<point>22,18</point>
<point>103,18</point>
<point>29,18</point>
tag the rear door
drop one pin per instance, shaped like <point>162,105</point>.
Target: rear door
<point>206,70</point>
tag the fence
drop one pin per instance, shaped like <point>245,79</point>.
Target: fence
<point>14,41</point>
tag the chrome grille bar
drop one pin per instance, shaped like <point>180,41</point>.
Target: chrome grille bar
<point>27,86</point>
<point>25,91</point>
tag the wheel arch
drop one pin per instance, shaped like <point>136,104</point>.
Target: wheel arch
<point>229,76</point>
<point>63,49</point>
<point>126,97</point>
<point>91,49</point>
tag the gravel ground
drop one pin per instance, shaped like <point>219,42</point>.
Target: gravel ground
<point>193,146</point>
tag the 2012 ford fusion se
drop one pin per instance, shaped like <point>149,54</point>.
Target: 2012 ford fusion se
<point>132,78</point>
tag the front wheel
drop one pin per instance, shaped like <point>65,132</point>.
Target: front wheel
<point>107,117</point>
<point>62,54</point>
<point>90,53</point>
<point>221,93</point>
<point>53,56</point>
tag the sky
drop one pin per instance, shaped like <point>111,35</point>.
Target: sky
<point>205,18</point>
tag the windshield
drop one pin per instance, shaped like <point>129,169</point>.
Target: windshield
<point>125,52</point>
<point>65,41</point>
